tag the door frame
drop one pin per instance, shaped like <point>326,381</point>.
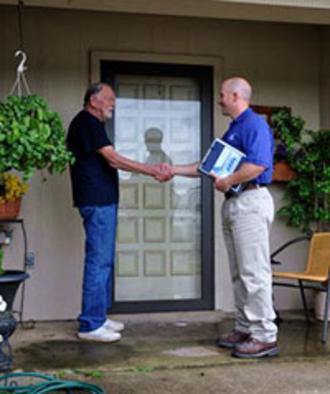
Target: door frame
<point>108,67</point>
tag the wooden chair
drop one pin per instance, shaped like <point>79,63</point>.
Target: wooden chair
<point>315,276</point>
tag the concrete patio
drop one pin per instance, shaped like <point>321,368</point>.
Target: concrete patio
<point>175,353</point>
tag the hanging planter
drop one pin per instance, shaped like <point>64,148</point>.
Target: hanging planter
<point>31,137</point>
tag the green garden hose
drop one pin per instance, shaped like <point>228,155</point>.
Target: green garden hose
<point>48,384</point>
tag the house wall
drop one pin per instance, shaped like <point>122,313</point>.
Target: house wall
<point>282,61</point>
<point>325,78</point>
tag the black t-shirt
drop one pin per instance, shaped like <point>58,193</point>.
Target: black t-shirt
<point>94,181</point>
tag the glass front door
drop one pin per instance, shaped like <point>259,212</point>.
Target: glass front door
<point>159,243</point>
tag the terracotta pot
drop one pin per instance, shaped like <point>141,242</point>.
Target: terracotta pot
<point>283,172</point>
<point>10,209</point>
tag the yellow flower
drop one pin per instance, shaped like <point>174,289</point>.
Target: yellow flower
<point>13,187</point>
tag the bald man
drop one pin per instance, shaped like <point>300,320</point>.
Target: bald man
<point>246,220</point>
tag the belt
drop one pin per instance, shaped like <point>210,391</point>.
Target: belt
<point>246,187</point>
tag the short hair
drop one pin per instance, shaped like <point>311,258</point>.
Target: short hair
<point>94,88</point>
<point>240,85</point>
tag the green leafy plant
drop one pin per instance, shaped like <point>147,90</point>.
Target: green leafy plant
<point>307,196</point>
<point>31,137</point>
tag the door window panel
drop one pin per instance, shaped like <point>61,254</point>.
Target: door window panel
<point>158,119</point>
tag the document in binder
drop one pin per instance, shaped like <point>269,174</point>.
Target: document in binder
<point>222,160</point>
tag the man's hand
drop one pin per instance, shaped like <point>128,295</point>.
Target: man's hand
<point>163,172</point>
<point>222,184</point>
<point>246,173</point>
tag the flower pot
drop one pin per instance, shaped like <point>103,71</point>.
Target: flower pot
<point>9,283</point>
<point>283,172</point>
<point>10,209</point>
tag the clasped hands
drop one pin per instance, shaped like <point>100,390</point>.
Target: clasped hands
<point>163,172</point>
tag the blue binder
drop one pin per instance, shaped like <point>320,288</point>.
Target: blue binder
<point>222,160</point>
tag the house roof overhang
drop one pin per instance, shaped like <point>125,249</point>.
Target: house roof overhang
<point>296,11</point>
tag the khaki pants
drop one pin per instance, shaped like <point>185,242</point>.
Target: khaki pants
<point>246,224</point>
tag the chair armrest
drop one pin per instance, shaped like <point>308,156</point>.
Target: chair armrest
<point>287,244</point>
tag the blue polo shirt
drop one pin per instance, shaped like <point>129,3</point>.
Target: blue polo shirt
<point>251,134</point>
<point>94,182</point>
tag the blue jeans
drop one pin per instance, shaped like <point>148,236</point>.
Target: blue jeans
<point>100,223</point>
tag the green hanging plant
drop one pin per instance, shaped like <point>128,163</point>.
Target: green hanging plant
<point>307,196</point>
<point>31,137</point>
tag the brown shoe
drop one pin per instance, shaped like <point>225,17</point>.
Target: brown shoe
<point>234,338</point>
<point>252,348</point>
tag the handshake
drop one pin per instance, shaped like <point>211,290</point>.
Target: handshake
<point>162,172</point>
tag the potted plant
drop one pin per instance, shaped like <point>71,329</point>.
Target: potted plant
<point>32,137</point>
<point>307,195</point>
<point>12,188</point>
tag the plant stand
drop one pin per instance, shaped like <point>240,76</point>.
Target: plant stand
<point>10,281</point>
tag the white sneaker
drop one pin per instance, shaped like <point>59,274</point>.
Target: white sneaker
<point>113,325</point>
<point>101,334</point>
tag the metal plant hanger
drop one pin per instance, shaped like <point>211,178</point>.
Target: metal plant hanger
<point>21,85</point>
